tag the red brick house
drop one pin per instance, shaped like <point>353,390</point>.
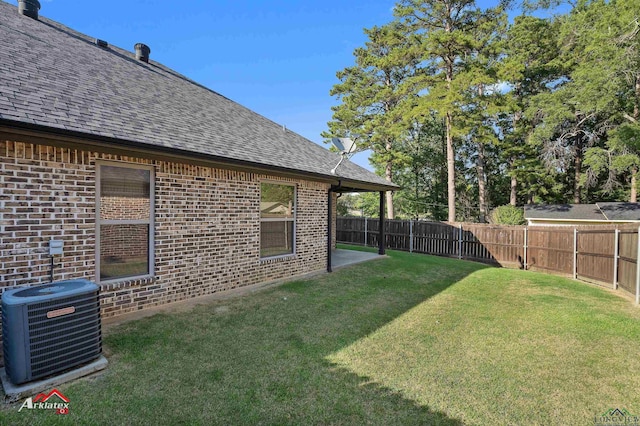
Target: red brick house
<point>160,188</point>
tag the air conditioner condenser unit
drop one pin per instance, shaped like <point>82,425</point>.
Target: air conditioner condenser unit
<point>51,328</point>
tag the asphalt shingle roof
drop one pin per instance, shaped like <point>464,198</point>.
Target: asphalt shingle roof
<point>620,211</point>
<point>563,211</point>
<point>608,211</point>
<point>55,77</point>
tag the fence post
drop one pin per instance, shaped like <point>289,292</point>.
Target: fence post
<point>411,236</point>
<point>460,241</point>
<point>575,253</point>
<point>616,256</point>
<point>365,231</point>
<point>638,270</point>
<point>525,248</point>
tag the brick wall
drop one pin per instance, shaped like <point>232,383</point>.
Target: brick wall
<point>207,228</point>
<point>124,207</point>
<point>124,240</point>
<point>45,193</point>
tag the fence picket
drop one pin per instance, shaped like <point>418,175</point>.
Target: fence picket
<point>583,252</point>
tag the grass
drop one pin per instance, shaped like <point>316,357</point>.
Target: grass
<point>411,339</point>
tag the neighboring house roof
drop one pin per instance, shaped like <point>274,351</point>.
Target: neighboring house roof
<point>273,207</point>
<point>56,79</point>
<point>605,212</point>
<point>620,211</point>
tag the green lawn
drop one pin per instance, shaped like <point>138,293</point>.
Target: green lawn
<point>411,339</point>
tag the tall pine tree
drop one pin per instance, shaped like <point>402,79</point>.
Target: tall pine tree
<point>374,98</point>
<point>449,34</point>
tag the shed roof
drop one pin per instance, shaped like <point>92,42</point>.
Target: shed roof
<point>620,211</point>
<point>563,211</point>
<point>604,211</point>
<point>56,79</point>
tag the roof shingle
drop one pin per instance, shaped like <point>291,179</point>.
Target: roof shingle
<point>563,211</point>
<point>607,211</point>
<point>620,211</point>
<point>55,77</point>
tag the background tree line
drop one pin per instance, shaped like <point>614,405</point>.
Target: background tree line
<point>469,108</point>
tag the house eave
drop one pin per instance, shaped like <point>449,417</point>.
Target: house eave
<point>38,134</point>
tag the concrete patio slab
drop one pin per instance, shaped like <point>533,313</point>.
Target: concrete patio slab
<point>341,258</point>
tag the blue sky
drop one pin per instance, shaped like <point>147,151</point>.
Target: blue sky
<point>278,58</point>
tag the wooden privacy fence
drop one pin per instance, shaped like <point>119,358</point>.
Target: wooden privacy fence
<point>605,255</point>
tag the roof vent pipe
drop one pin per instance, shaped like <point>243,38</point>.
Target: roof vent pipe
<point>29,8</point>
<point>142,52</point>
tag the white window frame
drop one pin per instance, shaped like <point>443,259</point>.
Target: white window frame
<point>294,219</point>
<point>150,221</point>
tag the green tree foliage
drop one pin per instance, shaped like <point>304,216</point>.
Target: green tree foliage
<point>449,34</point>
<point>528,68</point>
<point>357,205</point>
<point>611,68</point>
<point>467,110</point>
<point>508,215</point>
<point>483,101</point>
<point>424,175</point>
<point>374,98</point>
<point>344,206</point>
<point>368,203</point>
<point>567,121</point>
<point>275,193</point>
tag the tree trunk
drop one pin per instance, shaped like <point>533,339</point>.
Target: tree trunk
<point>636,103</point>
<point>513,197</point>
<point>634,192</point>
<point>636,115</point>
<point>451,172</point>
<point>442,169</point>
<point>577,163</point>
<point>417,176</point>
<point>389,194</point>
<point>482,183</point>
<point>451,158</point>
<point>482,179</point>
<point>530,197</point>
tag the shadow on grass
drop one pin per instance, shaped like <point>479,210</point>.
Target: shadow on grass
<point>263,358</point>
